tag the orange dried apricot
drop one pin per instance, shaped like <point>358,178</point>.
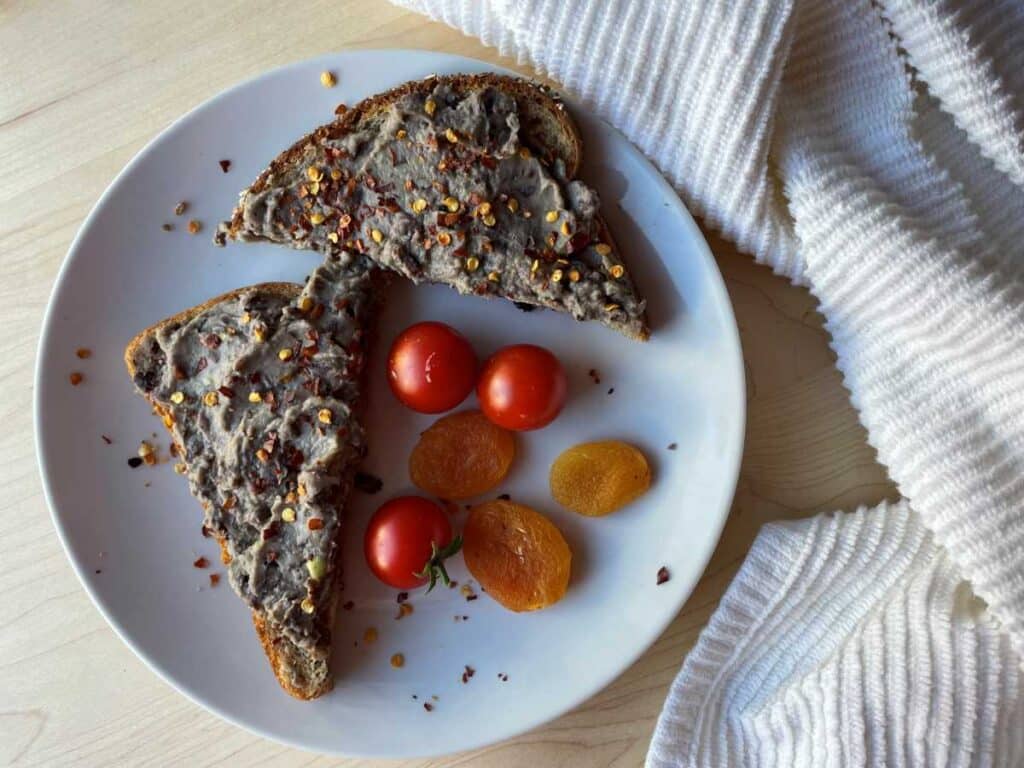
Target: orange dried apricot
<point>596,479</point>
<point>461,455</point>
<point>519,557</point>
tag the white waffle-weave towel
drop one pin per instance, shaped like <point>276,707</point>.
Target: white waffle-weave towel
<point>872,150</point>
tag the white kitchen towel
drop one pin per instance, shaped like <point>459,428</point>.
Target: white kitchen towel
<point>872,150</point>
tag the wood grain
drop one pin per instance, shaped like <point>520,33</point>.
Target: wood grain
<point>83,87</point>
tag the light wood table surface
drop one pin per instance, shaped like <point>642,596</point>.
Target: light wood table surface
<point>83,86</point>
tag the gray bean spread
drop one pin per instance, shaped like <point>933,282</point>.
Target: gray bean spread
<point>261,391</point>
<point>440,187</point>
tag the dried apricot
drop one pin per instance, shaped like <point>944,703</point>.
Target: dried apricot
<point>516,554</point>
<point>461,455</point>
<point>596,479</point>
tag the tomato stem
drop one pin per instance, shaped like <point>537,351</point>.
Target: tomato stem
<point>434,567</point>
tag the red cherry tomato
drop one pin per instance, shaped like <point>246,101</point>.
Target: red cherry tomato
<point>522,387</point>
<point>431,367</point>
<point>406,542</point>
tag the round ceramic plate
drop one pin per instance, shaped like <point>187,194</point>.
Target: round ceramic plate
<point>133,534</point>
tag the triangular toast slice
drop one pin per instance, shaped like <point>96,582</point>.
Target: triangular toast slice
<point>260,389</point>
<point>466,180</point>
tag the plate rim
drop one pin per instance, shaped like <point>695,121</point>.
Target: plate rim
<point>731,462</point>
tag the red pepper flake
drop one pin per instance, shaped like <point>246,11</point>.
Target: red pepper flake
<point>450,506</point>
<point>663,575</point>
<point>315,523</point>
<point>228,392</point>
<point>195,226</point>
<point>202,562</point>
<point>428,706</point>
<point>225,165</point>
<point>107,440</point>
<point>83,353</point>
<point>214,579</point>
<point>76,378</point>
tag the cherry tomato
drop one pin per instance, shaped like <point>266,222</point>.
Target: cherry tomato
<point>522,387</point>
<point>407,541</point>
<point>431,367</point>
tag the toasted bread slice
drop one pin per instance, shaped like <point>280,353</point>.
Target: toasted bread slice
<point>466,180</point>
<point>260,390</point>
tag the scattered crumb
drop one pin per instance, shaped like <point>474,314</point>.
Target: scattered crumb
<point>523,306</point>
<point>503,677</point>
<point>106,440</point>
<point>505,497</point>
<point>404,609</point>
<point>146,484</point>
<point>370,635</point>
<point>201,562</point>
<point>341,109</point>
<point>214,579</point>
<point>220,238</point>
<point>471,598</point>
<point>83,353</point>
<point>134,462</point>
<point>594,375</point>
<point>195,226</point>
<point>453,584</point>
<point>166,227</point>
<point>207,533</point>
<point>435,697</point>
<point>428,706</point>
<point>328,79</point>
<point>467,673</point>
<point>402,597</point>
<point>673,446</point>
<point>415,697</point>
<point>663,575</point>
<point>76,378</point>
<point>225,165</point>
<point>99,570</point>
<point>611,390</point>
<point>180,208</point>
<point>349,605</point>
<point>368,483</point>
<point>397,660</point>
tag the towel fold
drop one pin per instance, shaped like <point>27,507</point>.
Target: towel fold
<point>872,150</point>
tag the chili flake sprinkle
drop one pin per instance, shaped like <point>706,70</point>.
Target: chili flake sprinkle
<point>201,562</point>
<point>83,353</point>
<point>663,575</point>
<point>397,660</point>
<point>214,579</point>
<point>194,226</point>
<point>76,378</point>
<point>225,165</point>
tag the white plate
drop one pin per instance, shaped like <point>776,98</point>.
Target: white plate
<point>132,535</point>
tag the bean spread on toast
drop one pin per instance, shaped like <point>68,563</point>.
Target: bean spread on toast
<point>260,393</point>
<point>441,186</point>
